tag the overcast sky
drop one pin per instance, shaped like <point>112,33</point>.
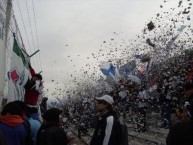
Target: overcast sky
<point>69,31</point>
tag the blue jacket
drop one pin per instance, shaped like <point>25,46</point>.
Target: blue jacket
<point>13,129</point>
<point>35,126</point>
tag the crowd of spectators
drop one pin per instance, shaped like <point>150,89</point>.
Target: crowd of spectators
<point>161,92</point>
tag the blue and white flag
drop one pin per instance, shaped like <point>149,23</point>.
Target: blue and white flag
<point>107,68</point>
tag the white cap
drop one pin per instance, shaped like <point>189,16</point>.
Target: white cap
<point>106,98</point>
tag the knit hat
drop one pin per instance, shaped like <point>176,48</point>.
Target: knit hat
<point>51,115</point>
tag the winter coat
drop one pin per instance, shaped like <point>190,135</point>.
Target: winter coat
<point>13,129</point>
<point>35,125</point>
<point>106,131</point>
<point>51,135</point>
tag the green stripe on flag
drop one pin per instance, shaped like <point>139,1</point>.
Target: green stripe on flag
<point>19,53</point>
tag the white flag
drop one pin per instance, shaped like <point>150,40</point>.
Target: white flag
<point>18,74</point>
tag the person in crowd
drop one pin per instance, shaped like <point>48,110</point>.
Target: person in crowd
<point>43,104</point>
<point>27,124</point>
<point>50,133</point>
<point>165,104</point>
<point>33,88</point>
<point>34,123</point>
<point>106,131</point>
<point>181,133</point>
<point>188,89</point>
<point>143,97</point>
<point>24,108</point>
<point>182,114</point>
<point>13,126</point>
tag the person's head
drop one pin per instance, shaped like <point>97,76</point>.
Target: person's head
<point>22,106</point>
<point>104,103</point>
<point>37,77</point>
<point>188,89</point>
<point>51,116</point>
<point>11,109</point>
<point>31,110</point>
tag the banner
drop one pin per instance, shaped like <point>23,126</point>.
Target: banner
<point>18,74</point>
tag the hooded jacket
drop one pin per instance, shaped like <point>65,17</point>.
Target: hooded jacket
<point>13,129</point>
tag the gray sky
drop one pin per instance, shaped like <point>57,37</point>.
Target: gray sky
<point>69,31</point>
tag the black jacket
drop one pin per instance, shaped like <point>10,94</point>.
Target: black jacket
<point>51,135</point>
<point>107,131</point>
<point>181,134</point>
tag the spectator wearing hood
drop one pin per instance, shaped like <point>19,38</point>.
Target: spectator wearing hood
<point>13,126</point>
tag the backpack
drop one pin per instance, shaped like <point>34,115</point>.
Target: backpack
<point>122,133</point>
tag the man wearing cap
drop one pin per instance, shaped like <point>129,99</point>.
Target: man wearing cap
<point>107,130</point>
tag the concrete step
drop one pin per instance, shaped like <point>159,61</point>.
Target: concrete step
<point>153,136</point>
<point>147,137</point>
